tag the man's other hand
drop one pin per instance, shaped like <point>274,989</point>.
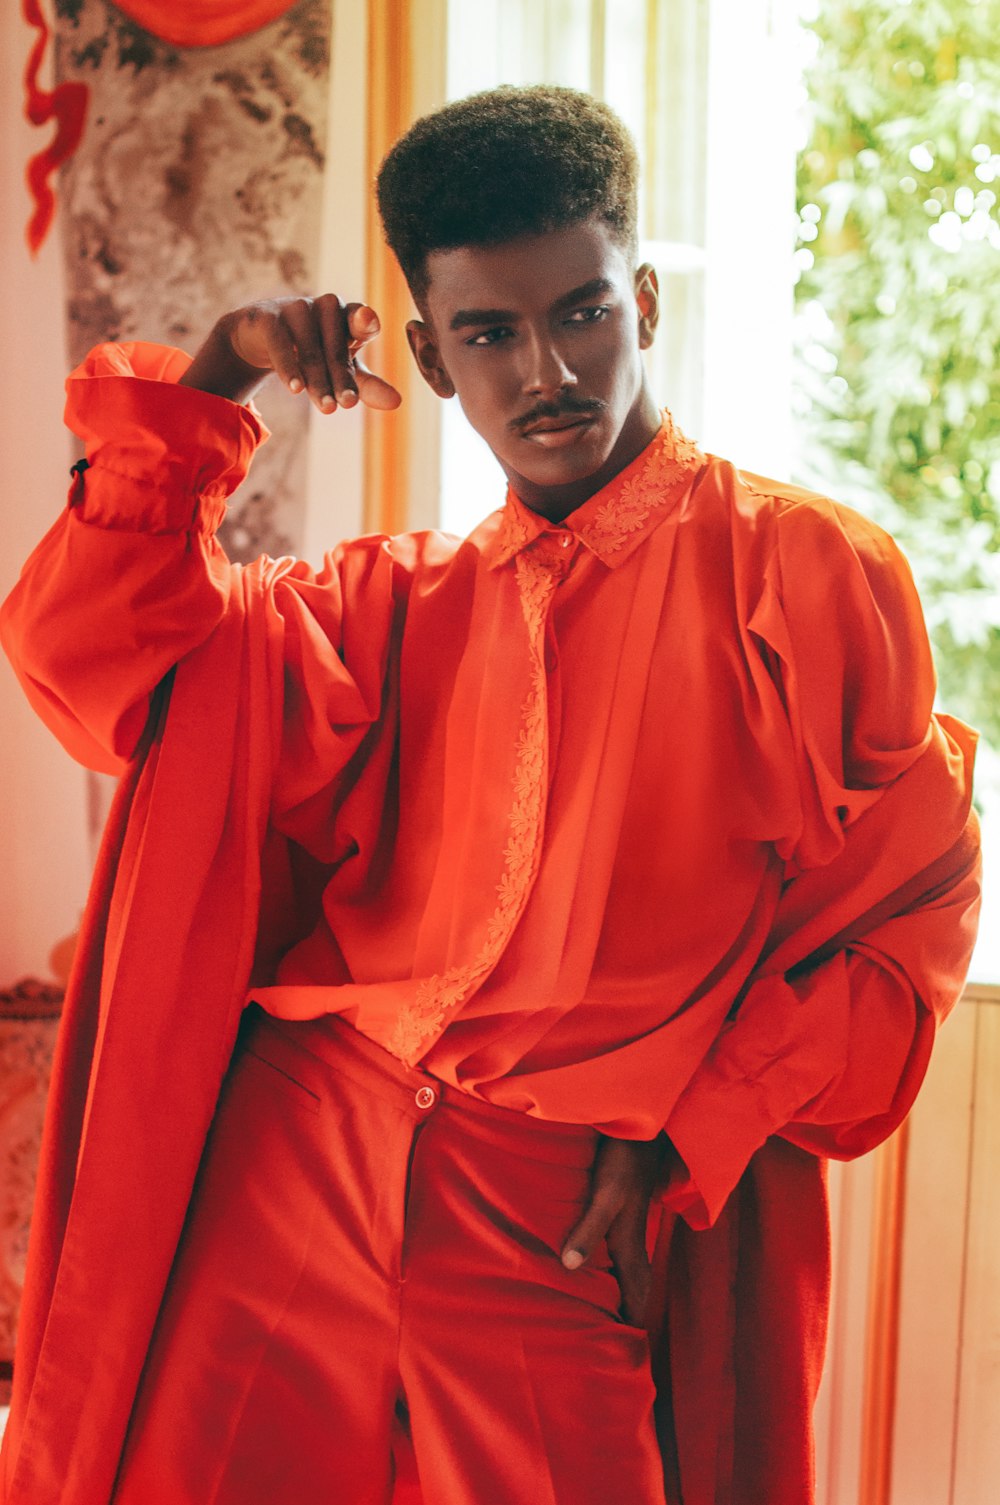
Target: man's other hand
<point>311,344</point>
<point>624,1174</point>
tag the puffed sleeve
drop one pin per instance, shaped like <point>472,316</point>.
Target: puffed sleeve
<point>840,615</point>
<point>829,1054</point>
<point>130,578</point>
<point>341,630</point>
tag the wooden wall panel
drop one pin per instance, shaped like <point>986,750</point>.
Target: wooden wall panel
<point>939,1409</point>
<point>839,1409</point>
<point>977,1440</point>
<point>932,1275</point>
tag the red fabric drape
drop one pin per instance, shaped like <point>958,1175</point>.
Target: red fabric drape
<point>67,106</point>
<point>203,23</point>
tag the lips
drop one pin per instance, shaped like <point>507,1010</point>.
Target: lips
<point>553,432</point>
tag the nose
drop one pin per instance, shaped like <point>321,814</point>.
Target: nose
<point>546,372</point>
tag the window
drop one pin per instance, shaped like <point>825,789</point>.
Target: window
<point>708,93</point>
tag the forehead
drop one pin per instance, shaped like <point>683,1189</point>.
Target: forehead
<point>529,272</point>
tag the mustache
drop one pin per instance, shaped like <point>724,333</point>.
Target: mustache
<point>569,407</point>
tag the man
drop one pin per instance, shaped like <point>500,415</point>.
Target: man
<point>613,851</point>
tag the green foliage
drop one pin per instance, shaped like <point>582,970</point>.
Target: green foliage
<point>898,314</point>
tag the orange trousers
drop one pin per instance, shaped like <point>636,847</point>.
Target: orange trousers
<point>370,1270</point>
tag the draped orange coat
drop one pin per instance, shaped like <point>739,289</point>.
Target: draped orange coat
<point>837,812</point>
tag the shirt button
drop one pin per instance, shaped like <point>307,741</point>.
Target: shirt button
<point>426,1097</point>
<point>565,539</point>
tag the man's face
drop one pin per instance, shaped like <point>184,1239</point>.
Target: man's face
<point>540,338</point>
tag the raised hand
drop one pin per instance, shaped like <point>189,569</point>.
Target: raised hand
<point>311,344</point>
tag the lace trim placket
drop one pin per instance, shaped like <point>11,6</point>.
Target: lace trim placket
<point>441,994</point>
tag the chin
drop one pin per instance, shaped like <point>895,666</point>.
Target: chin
<point>565,473</point>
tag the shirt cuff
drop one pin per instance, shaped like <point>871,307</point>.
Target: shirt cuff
<point>768,1061</point>
<point>162,458</point>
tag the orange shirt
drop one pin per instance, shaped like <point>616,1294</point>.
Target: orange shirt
<point>556,775</point>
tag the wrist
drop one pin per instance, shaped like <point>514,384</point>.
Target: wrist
<point>218,369</point>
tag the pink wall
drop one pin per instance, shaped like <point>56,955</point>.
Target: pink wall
<point>45,849</point>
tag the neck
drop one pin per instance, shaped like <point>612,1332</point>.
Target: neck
<point>556,502</point>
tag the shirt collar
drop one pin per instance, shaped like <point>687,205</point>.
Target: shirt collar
<point>618,518</point>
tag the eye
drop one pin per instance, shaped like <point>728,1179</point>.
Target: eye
<point>490,336</point>
<point>589,315</point>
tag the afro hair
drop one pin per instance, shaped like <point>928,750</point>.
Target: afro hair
<point>507,162</point>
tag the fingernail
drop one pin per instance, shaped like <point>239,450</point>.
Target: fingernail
<point>573,1259</point>
<point>370,318</point>
<point>348,399</point>
<point>326,401</point>
<point>295,385</point>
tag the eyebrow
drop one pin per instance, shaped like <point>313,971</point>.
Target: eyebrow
<point>598,287</point>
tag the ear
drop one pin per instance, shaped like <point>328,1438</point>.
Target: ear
<point>428,358</point>
<point>647,298</point>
